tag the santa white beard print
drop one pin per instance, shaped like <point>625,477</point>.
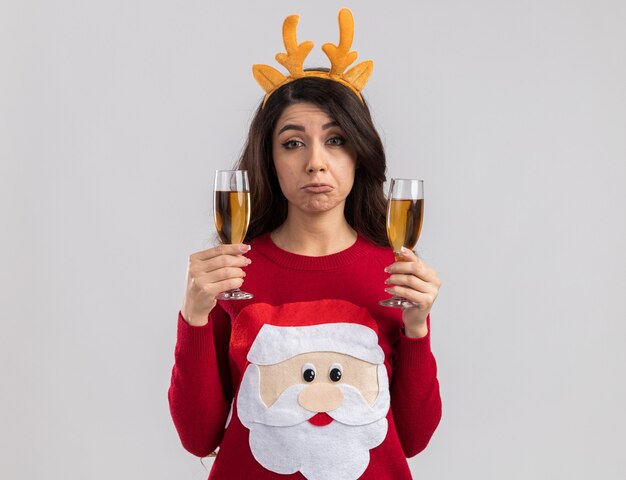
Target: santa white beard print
<point>283,441</point>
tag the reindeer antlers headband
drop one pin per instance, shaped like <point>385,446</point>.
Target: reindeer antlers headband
<point>340,57</point>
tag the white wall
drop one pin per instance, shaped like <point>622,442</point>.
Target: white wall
<point>113,116</point>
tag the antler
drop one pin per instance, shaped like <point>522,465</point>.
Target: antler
<point>293,60</point>
<point>268,77</point>
<point>340,55</point>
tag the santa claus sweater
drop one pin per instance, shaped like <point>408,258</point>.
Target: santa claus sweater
<point>208,368</point>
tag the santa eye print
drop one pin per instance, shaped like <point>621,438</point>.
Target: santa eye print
<point>308,375</point>
<point>308,372</point>
<point>335,372</point>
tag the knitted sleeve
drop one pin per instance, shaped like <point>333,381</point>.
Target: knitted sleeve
<point>415,398</point>
<point>200,392</point>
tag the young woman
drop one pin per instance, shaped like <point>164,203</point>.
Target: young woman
<point>311,378</point>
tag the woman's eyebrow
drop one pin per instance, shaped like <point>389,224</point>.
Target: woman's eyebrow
<point>300,128</point>
<point>291,127</point>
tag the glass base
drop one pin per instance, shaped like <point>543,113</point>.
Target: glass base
<point>397,302</point>
<point>234,295</point>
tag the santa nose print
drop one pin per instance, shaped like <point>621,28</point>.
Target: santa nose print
<point>322,394</point>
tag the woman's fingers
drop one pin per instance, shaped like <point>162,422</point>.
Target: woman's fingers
<point>199,267</point>
<point>414,266</point>
<point>220,275</point>
<point>422,301</point>
<point>411,281</point>
<point>213,272</point>
<point>216,288</point>
<point>225,249</point>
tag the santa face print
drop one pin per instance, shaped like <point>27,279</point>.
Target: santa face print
<point>318,412</point>
<point>323,374</point>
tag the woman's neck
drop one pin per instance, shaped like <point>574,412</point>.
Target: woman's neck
<point>314,236</point>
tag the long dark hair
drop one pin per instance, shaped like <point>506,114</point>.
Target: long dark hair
<point>365,207</point>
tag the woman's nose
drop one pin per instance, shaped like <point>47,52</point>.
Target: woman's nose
<point>316,159</point>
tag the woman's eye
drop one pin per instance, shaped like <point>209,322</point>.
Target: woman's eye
<point>337,141</point>
<point>291,144</point>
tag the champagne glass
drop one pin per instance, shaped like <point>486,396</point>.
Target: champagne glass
<point>405,211</point>
<point>231,211</point>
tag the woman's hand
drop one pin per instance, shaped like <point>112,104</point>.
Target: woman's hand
<point>418,283</point>
<point>209,273</point>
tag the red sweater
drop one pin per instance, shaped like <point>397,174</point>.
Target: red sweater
<point>205,378</point>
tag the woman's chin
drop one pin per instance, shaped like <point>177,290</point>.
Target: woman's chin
<point>320,206</point>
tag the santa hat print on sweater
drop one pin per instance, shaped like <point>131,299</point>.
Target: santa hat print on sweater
<point>265,334</point>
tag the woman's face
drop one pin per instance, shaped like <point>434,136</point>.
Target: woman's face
<point>314,164</point>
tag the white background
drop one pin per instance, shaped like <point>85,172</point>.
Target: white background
<point>114,115</point>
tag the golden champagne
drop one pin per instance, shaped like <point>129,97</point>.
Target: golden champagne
<point>404,223</point>
<point>232,215</point>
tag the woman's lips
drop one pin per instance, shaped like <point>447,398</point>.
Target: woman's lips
<point>317,188</point>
